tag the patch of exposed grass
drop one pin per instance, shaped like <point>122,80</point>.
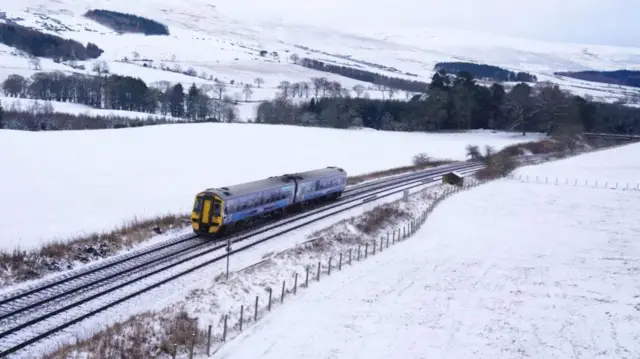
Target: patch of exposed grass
<point>19,266</point>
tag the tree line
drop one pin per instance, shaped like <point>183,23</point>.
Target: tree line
<point>123,22</point>
<point>115,92</point>
<point>484,71</point>
<point>38,44</point>
<point>458,103</point>
<point>618,77</point>
<point>363,75</point>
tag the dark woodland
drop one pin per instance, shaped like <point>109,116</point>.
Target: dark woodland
<point>127,23</point>
<point>38,44</point>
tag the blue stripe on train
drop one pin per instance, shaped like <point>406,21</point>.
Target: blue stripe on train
<point>324,192</point>
<point>238,216</point>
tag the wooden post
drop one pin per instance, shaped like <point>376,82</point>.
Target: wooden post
<point>306,280</point>
<point>329,270</point>
<point>295,284</point>
<point>318,274</point>
<point>349,256</point>
<point>282,296</point>
<point>224,329</point>
<point>340,262</point>
<point>241,315</point>
<point>209,341</point>
<point>255,311</point>
<point>270,294</point>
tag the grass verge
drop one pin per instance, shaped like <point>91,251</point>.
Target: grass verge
<point>19,265</point>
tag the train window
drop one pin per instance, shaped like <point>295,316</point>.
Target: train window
<point>197,206</point>
<point>216,208</point>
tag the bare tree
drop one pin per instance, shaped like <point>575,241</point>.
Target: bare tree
<point>295,89</point>
<point>391,91</point>
<point>100,68</point>
<point>294,58</point>
<point>258,81</point>
<point>220,89</point>
<point>319,84</point>
<point>304,89</point>
<point>285,86</point>
<point>34,62</point>
<point>358,89</point>
<point>136,55</point>
<point>248,91</point>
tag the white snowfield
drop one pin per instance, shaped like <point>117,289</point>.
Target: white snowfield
<point>506,270</point>
<point>87,181</point>
<point>224,40</point>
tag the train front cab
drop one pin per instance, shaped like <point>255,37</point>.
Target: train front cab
<point>206,217</point>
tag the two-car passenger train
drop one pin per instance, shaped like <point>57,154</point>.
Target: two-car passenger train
<point>217,209</point>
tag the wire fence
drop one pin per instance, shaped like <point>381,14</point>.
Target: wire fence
<point>233,323</point>
<point>601,184</point>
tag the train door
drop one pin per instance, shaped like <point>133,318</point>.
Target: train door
<point>207,214</point>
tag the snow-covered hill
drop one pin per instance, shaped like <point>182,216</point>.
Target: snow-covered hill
<point>223,40</point>
<point>507,270</point>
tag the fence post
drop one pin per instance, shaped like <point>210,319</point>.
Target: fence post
<point>381,244</point>
<point>374,247</point>
<point>350,256</point>
<point>175,351</point>
<point>306,279</point>
<point>393,238</point>
<point>241,315</point>
<point>270,294</point>
<point>193,344</point>
<point>255,311</point>
<point>209,341</point>
<point>387,239</point>
<point>224,329</point>
<point>340,262</point>
<point>329,270</point>
<point>366,250</point>
<point>282,296</point>
<point>318,274</point>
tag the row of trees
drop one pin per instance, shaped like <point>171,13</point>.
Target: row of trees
<point>458,103</point>
<point>363,75</point>
<point>484,71</point>
<point>38,44</point>
<point>618,77</point>
<point>115,92</point>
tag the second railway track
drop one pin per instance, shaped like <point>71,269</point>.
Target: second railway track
<point>35,313</point>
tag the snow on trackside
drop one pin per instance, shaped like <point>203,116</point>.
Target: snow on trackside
<point>87,181</point>
<point>506,270</point>
<point>213,297</point>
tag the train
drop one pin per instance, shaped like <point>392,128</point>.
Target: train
<point>217,211</point>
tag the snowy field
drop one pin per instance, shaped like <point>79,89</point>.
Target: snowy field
<point>538,271</point>
<point>85,181</point>
<point>224,41</point>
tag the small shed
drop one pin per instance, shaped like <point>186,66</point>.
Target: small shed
<point>453,178</point>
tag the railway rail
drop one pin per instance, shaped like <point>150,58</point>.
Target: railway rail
<point>34,313</point>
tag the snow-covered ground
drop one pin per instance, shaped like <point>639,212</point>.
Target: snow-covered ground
<point>224,40</point>
<point>86,181</point>
<point>506,270</point>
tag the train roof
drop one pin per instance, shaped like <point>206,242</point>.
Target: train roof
<point>242,189</point>
<point>322,172</point>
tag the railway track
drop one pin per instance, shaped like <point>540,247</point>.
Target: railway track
<point>35,313</point>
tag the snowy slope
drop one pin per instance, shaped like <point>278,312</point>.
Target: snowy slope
<point>537,271</point>
<point>223,40</point>
<point>94,180</point>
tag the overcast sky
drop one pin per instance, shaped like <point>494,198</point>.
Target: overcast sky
<point>613,22</point>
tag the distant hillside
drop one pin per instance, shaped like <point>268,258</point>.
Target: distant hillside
<point>485,71</point>
<point>122,22</point>
<point>618,77</point>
